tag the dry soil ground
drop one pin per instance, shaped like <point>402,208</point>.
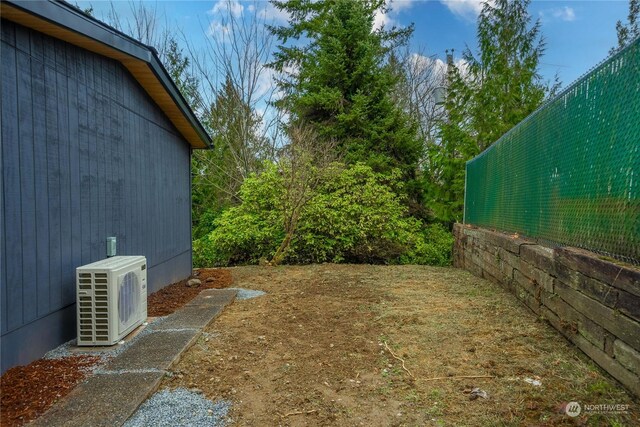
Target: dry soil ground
<point>313,351</point>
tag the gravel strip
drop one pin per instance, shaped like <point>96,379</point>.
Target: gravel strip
<point>180,407</point>
<point>108,353</point>
<point>127,371</point>
<point>178,330</point>
<point>247,293</point>
<point>64,350</point>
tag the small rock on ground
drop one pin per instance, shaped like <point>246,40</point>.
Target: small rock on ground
<point>194,283</point>
<point>180,407</point>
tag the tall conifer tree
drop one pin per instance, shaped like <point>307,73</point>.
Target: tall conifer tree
<point>629,31</point>
<point>504,75</point>
<point>340,83</point>
<point>491,93</point>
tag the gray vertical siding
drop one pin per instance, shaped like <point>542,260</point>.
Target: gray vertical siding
<point>85,155</point>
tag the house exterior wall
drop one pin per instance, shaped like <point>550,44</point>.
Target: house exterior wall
<point>85,155</point>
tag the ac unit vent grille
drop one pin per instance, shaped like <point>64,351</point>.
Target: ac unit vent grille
<point>86,307</point>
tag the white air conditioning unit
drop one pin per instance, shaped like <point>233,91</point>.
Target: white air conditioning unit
<point>111,299</point>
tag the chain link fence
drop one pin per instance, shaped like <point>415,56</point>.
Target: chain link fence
<point>570,172</point>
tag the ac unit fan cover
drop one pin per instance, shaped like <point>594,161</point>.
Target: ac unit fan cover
<point>128,299</point>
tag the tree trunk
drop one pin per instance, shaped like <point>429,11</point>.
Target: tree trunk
<point>277,258</point>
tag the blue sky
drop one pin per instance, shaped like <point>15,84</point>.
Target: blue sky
<point>578,34</point>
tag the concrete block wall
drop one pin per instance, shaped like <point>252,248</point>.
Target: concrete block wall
<point>593,301</point>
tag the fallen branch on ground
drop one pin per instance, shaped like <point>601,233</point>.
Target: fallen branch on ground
<point>457,376</point>
<point>288,414</point>
<point>399,358</point>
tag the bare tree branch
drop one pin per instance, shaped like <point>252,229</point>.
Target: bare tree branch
<point>305,163</point>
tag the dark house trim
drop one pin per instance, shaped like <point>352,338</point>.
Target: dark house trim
<point>65,22</point>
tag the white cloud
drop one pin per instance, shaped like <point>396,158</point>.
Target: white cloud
<point>467,9</point>
<point>390,17</point>
<point>565,14</point>
<point>266,82</point>
<point>223,13</point>
<point>221,10</point>
<point>463,67</point>
<point>422,63</point>
<point>272,14</point>
<point>381,20</point>
<point>221,6</point>
<point>218,30</point>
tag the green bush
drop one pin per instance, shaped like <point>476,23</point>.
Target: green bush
<point>432,245</point>
<point>243,234</point>
<point>353,216</point>
<point>204,223</point>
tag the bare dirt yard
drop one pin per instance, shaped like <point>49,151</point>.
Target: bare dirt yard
<point>326,346</point>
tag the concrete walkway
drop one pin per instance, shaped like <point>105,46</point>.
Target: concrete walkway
<point>114,392</point>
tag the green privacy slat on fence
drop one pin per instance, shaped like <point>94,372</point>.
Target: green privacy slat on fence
<point>570,172</point>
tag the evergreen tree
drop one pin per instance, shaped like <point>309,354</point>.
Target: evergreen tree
<point>498,89</point>
<point>238,151</point>
<point>504,76</point>
<point>234,127</point>
<point>177,64</point>
<point>631,30</point>
<point>341,84</point>
<point>445,189</point>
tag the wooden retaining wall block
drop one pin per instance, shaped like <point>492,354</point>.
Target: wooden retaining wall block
<point>592,300</point>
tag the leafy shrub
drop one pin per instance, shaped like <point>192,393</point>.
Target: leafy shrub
<point>243,234</point>
<point>353,216</point>
<point>432,245</point>
<point>205,222</point>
